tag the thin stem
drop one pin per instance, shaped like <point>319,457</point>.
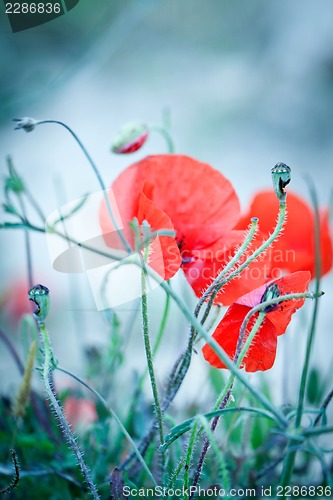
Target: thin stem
<point>226,395</point>
<point>289,462</point>
<point>218,453</point>
<point>318,431</point>
<point>47,368</point>
<point>149,358</point>
<point>323,407</point>
<point>16,476</point>
<point>12,351</point>
<point>27,224</point>
<point>218,284</point>
<point>166,135</point>
<point>112,413</point>
<point>98,176</point>
<point>214,288</point>
<point>189,454</point>
<point>156,345</point>
<point>27,243</point>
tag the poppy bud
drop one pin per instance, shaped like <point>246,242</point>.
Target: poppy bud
<point>281,176</point>
<point>14,182</point>
<point>39,294</point>
<point>130,138</point>
<point>271,292</point>
<point>27,123</point>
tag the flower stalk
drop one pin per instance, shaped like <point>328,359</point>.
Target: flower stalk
<point>150,365</point>
<point>28,124</point>
<point>289,461</point>
<point>39,294</point>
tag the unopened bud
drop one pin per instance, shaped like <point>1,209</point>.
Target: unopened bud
<point>130,138</point>
<point>40,295</point>
<point>27,123</point>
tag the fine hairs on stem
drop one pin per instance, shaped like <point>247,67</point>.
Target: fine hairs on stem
<point>39,294</point>
<point>281,176</point>
<point>289,461</point>
<point>29,124</point>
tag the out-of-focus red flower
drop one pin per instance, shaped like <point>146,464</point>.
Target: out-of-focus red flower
<point>294,250</point>
<point>175,191</point>
<point>80,412</point>
<point>261,353</point>
<point>15,301</point>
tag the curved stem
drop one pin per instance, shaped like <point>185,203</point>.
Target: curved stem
<point>261,249</point>
<point>214,288</point>
<point>98,176</point>
<point>323,407</point>
<point>112,413</point>
<point>164,132</point>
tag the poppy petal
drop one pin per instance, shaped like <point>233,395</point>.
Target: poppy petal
<point>294,250</point>
<point>262,351</point>
<point>164,255</point>
<point>206,265</point>
<point>190,192</point>
<point>291,283</point>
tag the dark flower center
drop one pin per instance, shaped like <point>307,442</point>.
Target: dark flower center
<point>271,292</point>
<point>185,254</point>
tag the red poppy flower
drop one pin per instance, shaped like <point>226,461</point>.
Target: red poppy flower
<point>261,353</point>
<point>295,248</point>
<point>199,202</point>
<point>15,300</point>
<point>80,413</point>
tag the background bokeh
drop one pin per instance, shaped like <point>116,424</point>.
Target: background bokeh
<point>247,84</point>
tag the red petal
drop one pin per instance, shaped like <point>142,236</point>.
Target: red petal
<point>191,193</point>
<point>291,283</point>
<point>164,255</point>
<point>326,247</point>
<point>209,262</point>
<point>294,250</point>
<point>261,354</point>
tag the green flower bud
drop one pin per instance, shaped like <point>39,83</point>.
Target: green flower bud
<point>281,176</point>
<point>14,182</point>
<point>40,295</point>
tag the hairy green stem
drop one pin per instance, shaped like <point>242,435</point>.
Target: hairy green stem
<point>214,288</point>
<point>220,283</point>
<point>223,399</point>
<point>149,358</point>
<point>112,413</point>
<point>289,462</point>
<point>47,369</point>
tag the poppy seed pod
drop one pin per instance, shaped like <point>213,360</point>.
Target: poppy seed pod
<point>40,295</point>
<point>271,292</point>
<point>130,138</point>
<point>281,176</point>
